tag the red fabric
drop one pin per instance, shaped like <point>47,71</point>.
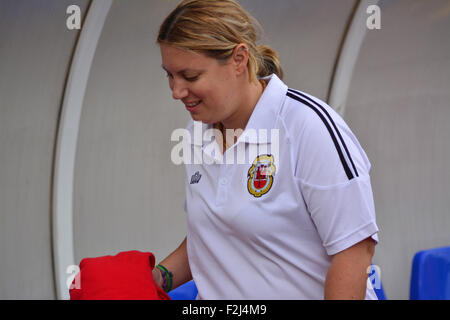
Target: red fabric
<point>125,276</point>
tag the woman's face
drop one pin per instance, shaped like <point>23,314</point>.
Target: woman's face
<point>204,85</point>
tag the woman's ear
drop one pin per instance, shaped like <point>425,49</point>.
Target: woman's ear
<point>240,58</point>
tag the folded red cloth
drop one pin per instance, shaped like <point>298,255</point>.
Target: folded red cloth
<point>125,276</point>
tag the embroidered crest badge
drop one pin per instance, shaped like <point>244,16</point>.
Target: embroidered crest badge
<point>260,175</point>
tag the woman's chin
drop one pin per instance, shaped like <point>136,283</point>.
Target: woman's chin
<point>196,117</point>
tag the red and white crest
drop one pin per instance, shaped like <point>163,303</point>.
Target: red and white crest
<point>260,175</point>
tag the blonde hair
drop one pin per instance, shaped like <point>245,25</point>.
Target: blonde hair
<point>215,28</point>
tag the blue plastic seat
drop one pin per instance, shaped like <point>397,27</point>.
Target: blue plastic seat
<point>430,276</point>
<point>187,291</point>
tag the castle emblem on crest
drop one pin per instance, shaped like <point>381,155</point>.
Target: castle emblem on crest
<point>260,175</point>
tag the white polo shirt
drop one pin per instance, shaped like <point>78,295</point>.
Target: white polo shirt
<point>265,229</point>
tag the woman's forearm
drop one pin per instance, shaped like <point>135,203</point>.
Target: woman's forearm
<point>347,275</point>
<point>177,263</point>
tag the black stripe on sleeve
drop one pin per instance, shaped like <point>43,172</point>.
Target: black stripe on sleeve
<point>334,126</point>
<point>330,131</point>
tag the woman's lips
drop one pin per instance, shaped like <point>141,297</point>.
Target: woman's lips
<point>192,106</point>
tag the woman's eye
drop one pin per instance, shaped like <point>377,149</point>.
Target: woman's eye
<point>168,75</point>
<point>191,78</point>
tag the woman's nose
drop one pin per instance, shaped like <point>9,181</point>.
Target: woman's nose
<point>179,91</point>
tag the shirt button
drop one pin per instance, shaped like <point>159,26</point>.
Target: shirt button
<point>223,181</point>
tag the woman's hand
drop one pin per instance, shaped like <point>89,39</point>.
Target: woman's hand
<point>178,264</point>
<point>157,277</point>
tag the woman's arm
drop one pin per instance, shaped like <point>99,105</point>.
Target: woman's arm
<point>177,263</point>
<point>347,275</point>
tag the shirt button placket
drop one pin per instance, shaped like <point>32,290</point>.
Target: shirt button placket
<point>222,191</point>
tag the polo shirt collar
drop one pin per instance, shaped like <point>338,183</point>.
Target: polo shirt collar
<point>266,111</point>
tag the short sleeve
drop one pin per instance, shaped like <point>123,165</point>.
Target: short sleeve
<point>343,214</point>
<point>332,171</point>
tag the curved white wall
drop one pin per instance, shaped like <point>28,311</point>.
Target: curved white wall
<point>66,144</point>
<point>35,53</point>
<point>399,108</point>
<point>127,193</point>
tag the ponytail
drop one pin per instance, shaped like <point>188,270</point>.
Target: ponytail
<point>269,62</point>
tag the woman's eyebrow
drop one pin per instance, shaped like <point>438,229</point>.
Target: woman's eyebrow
<point>164,69</point>
<point>181,71</point>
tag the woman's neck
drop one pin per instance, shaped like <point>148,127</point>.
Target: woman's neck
<point>240,119</point>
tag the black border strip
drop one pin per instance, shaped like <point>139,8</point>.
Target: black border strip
<point>330,131</point>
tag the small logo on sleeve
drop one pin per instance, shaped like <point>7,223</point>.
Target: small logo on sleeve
<point>195,178</point>
<point>260,175</point>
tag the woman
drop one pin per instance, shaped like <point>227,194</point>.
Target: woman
<point>298,221</point>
